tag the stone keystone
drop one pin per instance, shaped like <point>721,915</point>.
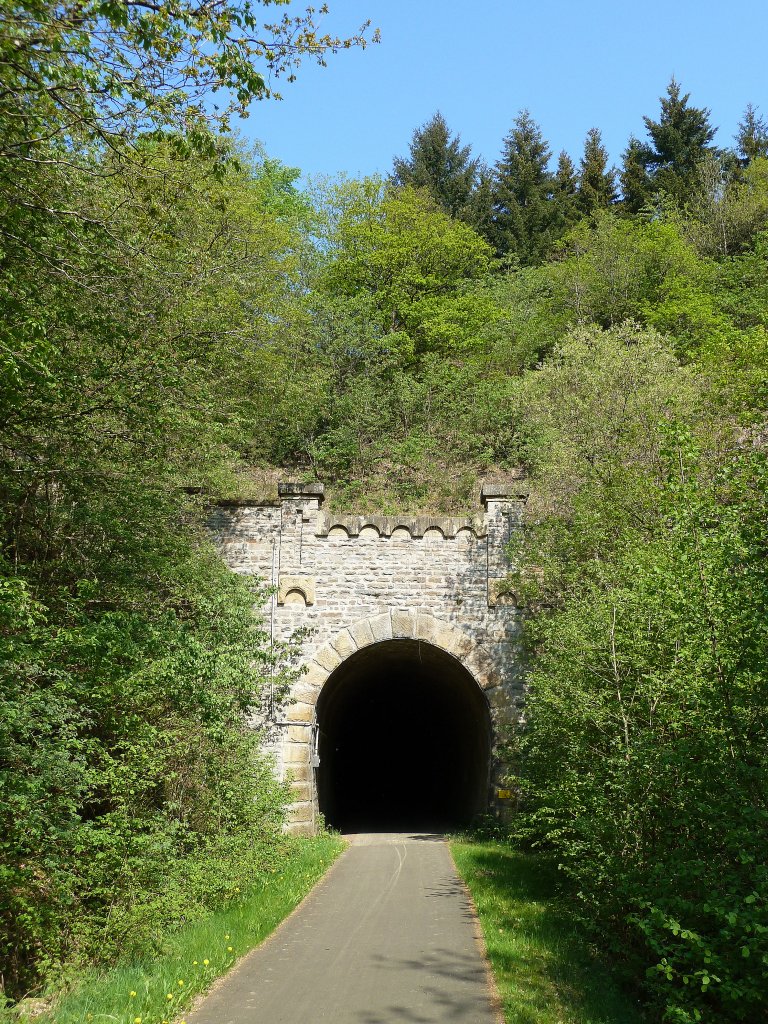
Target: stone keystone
<point>403,623</point>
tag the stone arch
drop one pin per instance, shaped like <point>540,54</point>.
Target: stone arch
<point>395,624</point>
<point>446,641</point>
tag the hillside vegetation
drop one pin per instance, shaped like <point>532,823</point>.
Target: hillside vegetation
<point>179,317</point>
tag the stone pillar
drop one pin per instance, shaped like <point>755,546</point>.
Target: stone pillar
<point>299,505</point>
<point>504,505</point>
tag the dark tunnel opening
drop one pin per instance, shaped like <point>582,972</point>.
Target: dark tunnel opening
<point>404,739</point>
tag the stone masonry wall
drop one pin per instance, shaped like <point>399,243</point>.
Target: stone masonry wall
<point>357,580</point>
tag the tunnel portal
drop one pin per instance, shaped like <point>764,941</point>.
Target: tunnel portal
<point>404,741</point>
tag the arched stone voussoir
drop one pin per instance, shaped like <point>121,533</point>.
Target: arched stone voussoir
<point>313,675</point>
<point>396,624</point>
<point>481,665</point>
<point>344,644</point>
<point>403,623</point>
<point>327,657</point>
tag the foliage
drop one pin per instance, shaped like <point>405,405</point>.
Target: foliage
<point>643,756</point>
<point>523,213</point>
<point>542,963</point>
<point>132,660</point>
<point>235,898</point>
<point>439,163</point>
<point>597,182</point>
<point>108,71</point>
<point>678,142</point>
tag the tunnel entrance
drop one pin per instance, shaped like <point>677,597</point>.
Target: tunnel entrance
<point>404,740</point>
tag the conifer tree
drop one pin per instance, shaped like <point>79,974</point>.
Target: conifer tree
<point>441,165</point>
<point>597,182</point>
<point>565,193</point>
<point>479,210</point>
<point>680,142</point>
<point>635,182</point>
<point>752,137</point>
<point>522,195</point>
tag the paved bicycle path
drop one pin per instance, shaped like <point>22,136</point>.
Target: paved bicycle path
<point>388,935</point>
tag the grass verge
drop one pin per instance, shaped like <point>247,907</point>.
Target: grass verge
<point>158,988</point>
<point>543,969</point>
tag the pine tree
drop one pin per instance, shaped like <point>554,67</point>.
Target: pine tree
<point>681,140</point>
<point>752,137</point>
<point>441,165</point>
<point>565,193</point>
<point>597,183</point>
<point>522,195</point>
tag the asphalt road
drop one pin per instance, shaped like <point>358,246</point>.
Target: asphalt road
<point>389,935</point>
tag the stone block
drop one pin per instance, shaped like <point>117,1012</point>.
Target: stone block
<point>403,623</point>
<point>304,693</point>
<point>301,811</point>
<point>301,792</point>
<point>300,712</point>
<point>458,644</point>
<point>381,627</point>
<point>290,585</point>
<point>500,594</point>
<point>327,658</point>
<point>299,773</point>
<point>299,828</point>
<point>481,666</point>
<point>296,753</point>
<point>344,644</point>
<point>427,627</point>
<point>299,732</point>
<point>361,633</point>
<point>314,676</point>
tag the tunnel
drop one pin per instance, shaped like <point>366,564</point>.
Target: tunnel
<point>404,740</point>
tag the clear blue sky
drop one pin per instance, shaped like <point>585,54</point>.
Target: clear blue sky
<point>573,65</point>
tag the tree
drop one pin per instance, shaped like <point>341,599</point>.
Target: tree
<point>441,165</point>
<point>129,656</point>
<point>597,183</point>
<point>523,213</point>
<point>635,185</point>
<point>565,193</point>
<point>395,249</point>
<point>109,70</point>
<point>680,140</point>
<point>752,137</point>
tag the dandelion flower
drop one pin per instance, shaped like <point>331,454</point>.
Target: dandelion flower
<point>206,962</point>
<point>194,963</point>
<point>137,1020</point>
<point>132,994</point>
<point>169,996</point>
<point>229,949</point>
<point>180,982</point>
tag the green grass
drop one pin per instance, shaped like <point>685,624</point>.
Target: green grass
<point>543,970</point>
<point>161,987</point>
